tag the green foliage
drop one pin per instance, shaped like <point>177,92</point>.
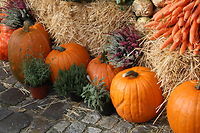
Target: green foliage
<point>128,2</point>
<point>36,72</point>
<point>16,13</point>
<point>96,96</point>
<point>71,82</point>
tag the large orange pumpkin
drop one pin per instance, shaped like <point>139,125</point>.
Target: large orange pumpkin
<point>135,93</point>
<point>5,33</point>
<point>99,68</point>
<point>183,108</point>
<point>27,42</point>
<point>64,56</point>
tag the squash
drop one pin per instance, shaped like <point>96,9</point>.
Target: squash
<point>99,69</point>
<point>25,43</point>
<point>183,108</point>
<point>5,33</point>
<point>135,93</point>
<point>64,56</point>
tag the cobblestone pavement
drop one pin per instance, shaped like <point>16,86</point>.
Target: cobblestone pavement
<point>20,113</point>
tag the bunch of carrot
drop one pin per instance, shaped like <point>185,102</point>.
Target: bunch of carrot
<point>179,22</point>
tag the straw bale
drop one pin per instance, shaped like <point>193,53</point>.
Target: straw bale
<point>171,68</point>
<point>85,24</point>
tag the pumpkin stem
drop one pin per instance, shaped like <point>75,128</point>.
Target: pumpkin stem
<point>130,74</point>
<point>61,49</point>
<point>27,24</point>
<point>104,58</point>
<point>198,86</point>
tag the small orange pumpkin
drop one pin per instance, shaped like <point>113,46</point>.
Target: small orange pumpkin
<point>27,42</point>
<point>99,69</point>
<point>64,56</point>
<point>5,33</point>
<point>135,93</point>
<point>183,108</point>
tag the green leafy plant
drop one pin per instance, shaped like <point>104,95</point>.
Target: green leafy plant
<point>16,12</point>
<point>71,82</point>
<point>124,1</point>
<point>36,72</point>
<point>95,95</point>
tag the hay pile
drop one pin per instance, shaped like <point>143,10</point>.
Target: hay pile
<point>171,68</point>
<point>85,24</point>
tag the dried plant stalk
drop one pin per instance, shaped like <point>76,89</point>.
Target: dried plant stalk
<point>171,68</point>
<point>85,24</point>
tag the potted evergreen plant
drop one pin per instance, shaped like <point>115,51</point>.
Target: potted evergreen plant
<point>37,76</point>
<point>97,97</point>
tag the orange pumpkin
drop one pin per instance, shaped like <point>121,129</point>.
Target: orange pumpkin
<point>5,33</point>
<point>27,42</point>
<point>183,108</point>
<point>64,56</point>
<point>135,93</point>
<point>98,69</point>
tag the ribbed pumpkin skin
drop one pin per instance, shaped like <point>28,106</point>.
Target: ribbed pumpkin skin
<point>5,33</point>
<point>23,45</point>
<point>183,108</point>
<point>98,70</point>
<point>136,99</point>
<point>74,54</point>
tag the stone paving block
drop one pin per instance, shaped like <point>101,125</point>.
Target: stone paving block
<point>12,96</point>
<point>59,127</point>
<point>122,127</point>
<point>108,122</point>
<point>10,80</point>
<point>142,129</point>
<point>35,105</point>
<point>3,74</point>
<point>56,110</point>
<point>91,117</point>
<point>93,130</point>
<point>108,131</point>
<point>2,88</point>
<point>4,113</point>
<point>40,125</point>
<point>15,122</point>
<point>76,127</point>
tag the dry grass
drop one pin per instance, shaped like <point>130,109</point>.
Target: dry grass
<point>171,68</point>
<point>85,24</point>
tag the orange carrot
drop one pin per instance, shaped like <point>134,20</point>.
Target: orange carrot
<point>160,14</point>
<point>195,13</point>
<point>189,7</point>
<point>174,46</point>
<point>197,50</point>
<point>198,19</point>
<point>158,33</point>
<point>185,33</point>
<point>181,22</point>
<point>166,34</point>
<point>175,29</point>
<point>166,42</point>
<point>190,46</point>
<point>177,11</point>
<point>178,36</point>
<point>197,2</point>
<point>186,15</point>
<point>187,24</point>
<point>178,4</point>
<point>193,32</point>
<point>152,23</point>
<point>183,47</point>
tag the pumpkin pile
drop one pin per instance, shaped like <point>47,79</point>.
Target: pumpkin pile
<point>113,80</point>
